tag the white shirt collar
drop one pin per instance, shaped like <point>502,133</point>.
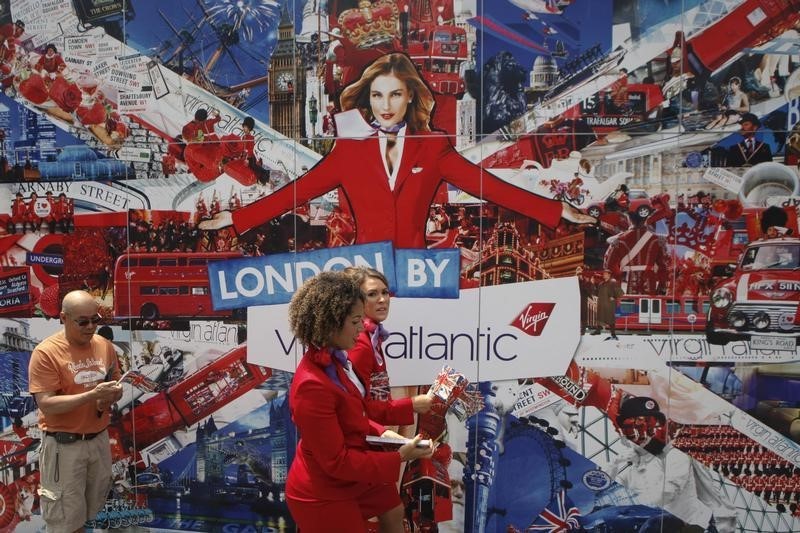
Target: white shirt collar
<point>401,135</point>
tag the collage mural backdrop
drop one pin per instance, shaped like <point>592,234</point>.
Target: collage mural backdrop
<point>597,227</point>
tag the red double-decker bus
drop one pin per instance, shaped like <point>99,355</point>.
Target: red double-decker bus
<point>438,53</point>
<point>159,285</point>
<point>194,398</point>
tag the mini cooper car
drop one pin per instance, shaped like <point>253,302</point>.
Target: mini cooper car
<point>759,302</point>
<point>638,202</point>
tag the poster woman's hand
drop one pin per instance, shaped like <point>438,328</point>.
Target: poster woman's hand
<point>223,219</point>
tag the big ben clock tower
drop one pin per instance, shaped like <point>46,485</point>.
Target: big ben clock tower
<point>286,82</point>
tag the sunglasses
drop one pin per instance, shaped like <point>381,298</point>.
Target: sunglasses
<point>83,322</point>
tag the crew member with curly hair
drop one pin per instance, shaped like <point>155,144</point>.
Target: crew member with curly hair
<point>336,481</point>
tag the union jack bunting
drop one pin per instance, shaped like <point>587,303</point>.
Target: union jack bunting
<point>559,516</point>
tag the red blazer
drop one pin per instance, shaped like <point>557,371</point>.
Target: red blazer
<point>190,130</point>
<point>362,357</point>
<point>333,461</point>
<point>398,215</point>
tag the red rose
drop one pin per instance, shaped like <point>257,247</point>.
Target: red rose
<point>90,116</point>
<point>65,94</point>
<point>34,90</point>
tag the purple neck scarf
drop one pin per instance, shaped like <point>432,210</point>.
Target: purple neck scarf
<point>337,357</point>
<point>394,129</point>
<point>379,335</point>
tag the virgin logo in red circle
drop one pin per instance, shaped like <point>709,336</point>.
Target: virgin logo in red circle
<point>533,318</point>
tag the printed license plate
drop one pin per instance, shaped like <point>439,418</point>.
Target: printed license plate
<point>758,342</point>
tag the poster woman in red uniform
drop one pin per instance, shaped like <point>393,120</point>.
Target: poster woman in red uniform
<point>336,481</point>
<point>390,176</point>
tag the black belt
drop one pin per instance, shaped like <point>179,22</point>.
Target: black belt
<point>65,437</point>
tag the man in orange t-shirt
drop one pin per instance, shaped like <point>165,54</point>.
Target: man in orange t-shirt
<point>73,375</point>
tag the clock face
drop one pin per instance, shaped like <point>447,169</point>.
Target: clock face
<point>285,81</point>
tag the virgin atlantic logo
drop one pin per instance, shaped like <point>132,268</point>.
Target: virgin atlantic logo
<point>533,318</point>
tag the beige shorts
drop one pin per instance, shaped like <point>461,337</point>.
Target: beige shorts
<point>75,480</point>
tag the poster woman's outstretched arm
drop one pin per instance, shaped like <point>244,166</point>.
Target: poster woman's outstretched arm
<point>322,178</point>
<point>483,184</point>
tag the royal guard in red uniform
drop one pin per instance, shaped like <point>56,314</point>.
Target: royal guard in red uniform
<point>239,161</point>
<point>234,202</point>
<point>18,213</point>
<point>68,210</point>
<point>216,205</point>
<point>203,153</point>
<point>200,209</point>
<point>30,213</point>
<point>50,218</point>
<point>639,257</point>
<point>58,210</point>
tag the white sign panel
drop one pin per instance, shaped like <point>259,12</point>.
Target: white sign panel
<point>78,63</point>
<point>640,351</point>
<point>108,48</point>
<point>131,153</point>
<point>531,331</point>
<point>724,178</point>
<point>133,102</point>
<point>82,45</point>
<point>44,30</point>
<point>123,80</point>
<point>766,436</point>
<point>532,399</point>
<point>55,8</point>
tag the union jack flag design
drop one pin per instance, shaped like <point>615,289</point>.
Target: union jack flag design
<point>559,516</point>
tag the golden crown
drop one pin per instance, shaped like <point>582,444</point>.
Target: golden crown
<point>370,24</point>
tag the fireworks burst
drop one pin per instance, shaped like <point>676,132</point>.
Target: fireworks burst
<point>251,17</point>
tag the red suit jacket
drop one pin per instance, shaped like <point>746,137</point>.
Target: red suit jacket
<point>333,461</point>
<point>371,372</point>
<point>398,215</point>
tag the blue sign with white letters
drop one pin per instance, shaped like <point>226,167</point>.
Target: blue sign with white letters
<point>272,279</point>
<point>427,273</point>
